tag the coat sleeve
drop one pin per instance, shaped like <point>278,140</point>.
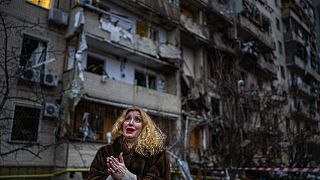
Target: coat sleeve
<point>98,170</point>
<point>158,168</point>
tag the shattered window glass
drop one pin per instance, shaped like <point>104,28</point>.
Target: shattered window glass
<point>25,124</point>
<point>33,52</point>
<point>95,65</point>
<point>145,80</point>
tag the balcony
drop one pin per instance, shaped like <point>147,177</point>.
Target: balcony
<point>258,66</point>
<point>163,12</point>
<point>303,90</point>
<point>103,35</point>
<point>120,92</point>
<point>303,112</point>
<point>219,15</point>
<point>295,63</point>
<point>288,13</point>
<point>292,36</point>
<point>301,9</point>
<point>313,73</point>
<point>250,31</point>
<point>195,4</point>
<point>200,31</point>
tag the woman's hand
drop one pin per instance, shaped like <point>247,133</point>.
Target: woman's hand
<point>116,167</point>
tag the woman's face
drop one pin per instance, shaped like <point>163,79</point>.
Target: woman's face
<point>132,125</point>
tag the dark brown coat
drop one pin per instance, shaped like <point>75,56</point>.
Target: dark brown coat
<point>153,167</point>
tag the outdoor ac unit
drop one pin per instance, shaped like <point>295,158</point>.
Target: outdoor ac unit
<point>51,110</point>
<point>58,17</point>
<point>31,75</point>
<point>50,79</point>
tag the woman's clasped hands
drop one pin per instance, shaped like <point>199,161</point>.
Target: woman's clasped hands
<point>116,167</point>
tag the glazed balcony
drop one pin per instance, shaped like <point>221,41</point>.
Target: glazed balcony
<point>249,31</point>
<point>164,13</point>
<point>198,30</point>
<point>105,36</point>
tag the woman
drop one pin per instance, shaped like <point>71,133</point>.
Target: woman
<point>136,152</point>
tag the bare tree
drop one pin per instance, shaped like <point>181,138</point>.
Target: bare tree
<point>14,69</point>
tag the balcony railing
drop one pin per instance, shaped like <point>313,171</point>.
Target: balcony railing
<point>302,9</point>
<point>303,89</point>
<point>250,30</point>
<point>287,13</point>
<point>292,36</point>
<point>312,72</point>
<point>162,8</point>
<point>194,27</point>
<point>117,91</point>
<point>108,34</point>
<point>304,112</point>
<point>259,66</point>
<point>295,62</point>
<point>221,10</point>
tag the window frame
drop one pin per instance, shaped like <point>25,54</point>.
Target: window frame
<point>29,105</point>
<point>147,75</point>
<point>97,58</point>
<point>40,40</point>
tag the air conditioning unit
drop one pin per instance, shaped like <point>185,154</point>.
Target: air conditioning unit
<point>51,110</point>
<point>31,75</point>
<point>51,79</point>
<point>58,17</point>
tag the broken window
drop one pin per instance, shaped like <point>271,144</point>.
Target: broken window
<point>145,80</point>
<point>25,123</point>
<point>95,65</point>
<point>33,52</point>
<point>94,121</point>
<point>145,30</point>
<point>42,3</point>
<point>142,28</point>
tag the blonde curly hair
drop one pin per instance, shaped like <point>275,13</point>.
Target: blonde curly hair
<point>151,139</point>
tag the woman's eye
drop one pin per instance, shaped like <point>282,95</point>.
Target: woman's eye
<point>127,119</point>
<point>137,120</point>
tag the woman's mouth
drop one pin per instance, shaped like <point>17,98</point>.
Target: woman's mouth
<point>130,130</point>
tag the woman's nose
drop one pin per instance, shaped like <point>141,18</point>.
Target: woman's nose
<point>131,121</point>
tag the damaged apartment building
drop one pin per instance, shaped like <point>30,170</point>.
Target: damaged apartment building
<point>232,83</point>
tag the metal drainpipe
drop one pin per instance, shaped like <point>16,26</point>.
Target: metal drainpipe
<point>186,138</point>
